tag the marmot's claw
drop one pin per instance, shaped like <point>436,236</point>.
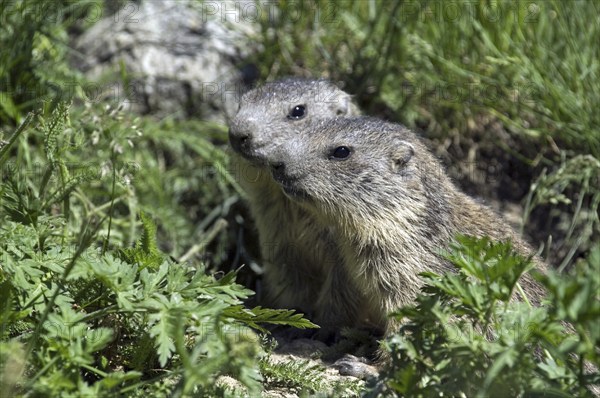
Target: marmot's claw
<point>349,365</point>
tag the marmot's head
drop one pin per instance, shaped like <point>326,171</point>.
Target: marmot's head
<point>358,170</point>
<point>273,113</point>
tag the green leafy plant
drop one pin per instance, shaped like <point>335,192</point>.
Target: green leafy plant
<point>79,316</point>
<point>465,336</point>
<point>303,378</point>
<point>292,375</point>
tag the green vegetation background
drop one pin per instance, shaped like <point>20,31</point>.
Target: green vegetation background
<point>113,225</point>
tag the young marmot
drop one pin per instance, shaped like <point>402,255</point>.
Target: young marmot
<point>391,205</point>
<point>302,264</point>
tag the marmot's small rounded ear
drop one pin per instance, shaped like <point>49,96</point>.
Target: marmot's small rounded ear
<point>401,153</point>
<point>345,107</point>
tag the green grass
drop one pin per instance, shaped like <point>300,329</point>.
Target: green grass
<point>446,66</point>
<point>34,72</point>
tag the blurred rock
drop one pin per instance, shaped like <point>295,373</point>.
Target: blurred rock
<point>182,58</point>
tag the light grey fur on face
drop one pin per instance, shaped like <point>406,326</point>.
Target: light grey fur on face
<point>268,114</point>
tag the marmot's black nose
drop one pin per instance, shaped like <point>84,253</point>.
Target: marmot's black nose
<point>278,170</point>
<point>240,141</point>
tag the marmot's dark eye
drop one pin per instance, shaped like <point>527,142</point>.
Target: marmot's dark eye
<point>341,152</point>
<point>297,112</point>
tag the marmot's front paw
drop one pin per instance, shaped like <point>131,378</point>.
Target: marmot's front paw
<point>349,365</point>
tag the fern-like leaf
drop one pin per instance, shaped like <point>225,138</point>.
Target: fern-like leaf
<point>145,253</point>
<point>252,317</point>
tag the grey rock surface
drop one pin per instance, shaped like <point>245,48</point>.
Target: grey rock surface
<point>181,57</point>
